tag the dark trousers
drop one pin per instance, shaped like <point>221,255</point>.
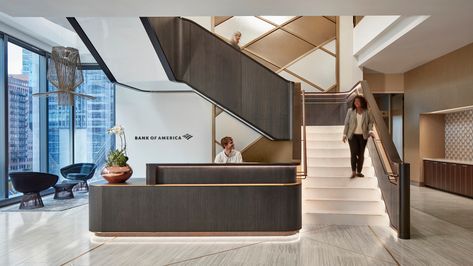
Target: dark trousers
<point>357,150</point>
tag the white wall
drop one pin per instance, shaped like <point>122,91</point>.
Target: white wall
<point>350,73</point>
<point>227,125</point>
<point>164,114</point>
<point>124,45</point>
<point>369,28</point>
<point>205,22</point>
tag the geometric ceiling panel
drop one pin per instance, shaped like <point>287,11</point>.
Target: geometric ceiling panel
<point>304,86</point>
<point>218,20</point>
<point>332,18</point>
<point>249,26</point>
<point>331,46</point>
<point>318,67</point>
<point>315,30</point>
<point>261,61</point>
<point>278,20</point>
<point>280,47</point>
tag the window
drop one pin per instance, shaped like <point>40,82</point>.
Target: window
<point>59,134</point>
<point>36,134</point>
<point>93,118</point>
<point>23,111</point>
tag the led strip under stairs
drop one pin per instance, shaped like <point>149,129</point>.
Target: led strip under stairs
<point>329,195</point>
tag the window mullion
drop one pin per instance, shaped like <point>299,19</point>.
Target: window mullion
<point>3,118</point>
<point>43,115</point>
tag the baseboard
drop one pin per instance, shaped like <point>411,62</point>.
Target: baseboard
<point>418,184</point>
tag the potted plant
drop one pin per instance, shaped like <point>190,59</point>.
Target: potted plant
<point>116,169</point>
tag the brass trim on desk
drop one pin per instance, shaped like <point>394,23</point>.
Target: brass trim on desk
<point>201,185</point>
<point>193,234</point>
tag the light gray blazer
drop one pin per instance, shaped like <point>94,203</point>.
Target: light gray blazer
<point>351,123</point>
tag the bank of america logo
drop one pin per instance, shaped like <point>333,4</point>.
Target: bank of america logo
<point>187,136</point>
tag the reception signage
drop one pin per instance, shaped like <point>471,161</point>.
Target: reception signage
<point>186,136</point>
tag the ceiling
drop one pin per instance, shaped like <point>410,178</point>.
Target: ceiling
<point>90,8</point>
<point>435,37</point>
<point>446,30</point>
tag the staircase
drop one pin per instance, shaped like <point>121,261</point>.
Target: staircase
<point>329,195</point>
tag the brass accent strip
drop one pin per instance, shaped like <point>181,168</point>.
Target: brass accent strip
<point>333,87</point>
<point>251,144</point>
<point>336,22</point>
<point>222,20</point>
<point>212,24</point>
<point>305,80</point>
<point>194,234</point>
<point>269,32</point>
<point>268,21</point>
<point>299,36</point>
<point>327,51</point>
<point>214,129</point>
<point>203,185</point>
<point>304,139</point>
<point>307,53</point>
<point>261,57</point>
<point>337,26</point>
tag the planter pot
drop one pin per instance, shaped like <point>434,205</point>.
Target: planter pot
<point>117,174</point>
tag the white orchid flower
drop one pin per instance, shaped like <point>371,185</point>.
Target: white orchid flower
<point>116,130</point>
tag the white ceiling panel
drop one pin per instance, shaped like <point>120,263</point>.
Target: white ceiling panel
<point>278,20</point>
<point>125,47</point>
<point>318,67</point>
<point>250,28</point>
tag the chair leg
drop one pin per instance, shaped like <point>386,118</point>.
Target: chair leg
<point>31,201</point>
<point>82,187</point>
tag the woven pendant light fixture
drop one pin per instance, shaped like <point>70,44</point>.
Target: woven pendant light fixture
<point>65,74</point>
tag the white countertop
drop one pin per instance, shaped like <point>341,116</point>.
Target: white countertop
<point>449,161</point>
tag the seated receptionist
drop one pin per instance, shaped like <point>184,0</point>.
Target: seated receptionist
<point>229,154</point>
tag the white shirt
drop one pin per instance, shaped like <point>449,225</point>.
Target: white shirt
<point>234,157</point>
<point>359,121</point>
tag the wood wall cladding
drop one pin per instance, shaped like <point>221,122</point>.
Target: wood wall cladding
<point>443,83</point>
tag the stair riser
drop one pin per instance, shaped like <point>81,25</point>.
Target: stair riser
<point>336,171</point>
<point>348,219</point>
<point>324,136</point>
<point>314,206</point>
<point>342,193</point>
<point>325,130</point>
<point>314,182</point>
<point>331,153</point>
<point>327,145</point>
<point>336,162</point>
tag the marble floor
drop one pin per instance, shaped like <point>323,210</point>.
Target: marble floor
<point>442,234</point>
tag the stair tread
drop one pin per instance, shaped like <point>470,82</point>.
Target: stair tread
<point>366,177</point>
<point>348,213</point>
<point>337,199</point>
<point>338,187</point>
<point>335,166</point>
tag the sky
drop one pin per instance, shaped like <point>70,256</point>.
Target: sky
<point>15,60</point>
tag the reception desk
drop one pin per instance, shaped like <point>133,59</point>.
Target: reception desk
<point>200,199</point>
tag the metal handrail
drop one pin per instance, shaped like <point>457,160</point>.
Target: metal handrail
<point>385,145</point>
<point>303,140</point>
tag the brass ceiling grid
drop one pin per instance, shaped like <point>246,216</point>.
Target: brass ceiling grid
<point>291,41</point>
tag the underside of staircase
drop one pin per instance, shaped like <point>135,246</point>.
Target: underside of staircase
<point>329,195</point>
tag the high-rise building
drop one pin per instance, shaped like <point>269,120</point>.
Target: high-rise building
<point>20,124</point>
<point>92,119</point>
